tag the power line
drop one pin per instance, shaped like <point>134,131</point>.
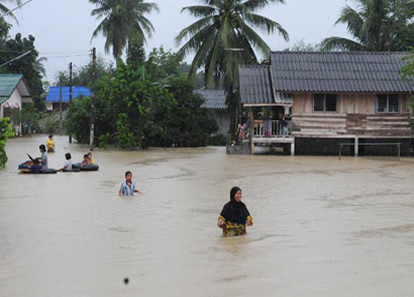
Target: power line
<point>65,53</point>
<point>68,56</point>
<point>50,54</point>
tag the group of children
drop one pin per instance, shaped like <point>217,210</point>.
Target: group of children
<point>41,163</point>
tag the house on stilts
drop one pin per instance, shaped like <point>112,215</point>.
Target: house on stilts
<point>311,102</point>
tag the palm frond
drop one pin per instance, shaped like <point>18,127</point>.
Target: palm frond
<point>200,10</point>
<point>339,43</point>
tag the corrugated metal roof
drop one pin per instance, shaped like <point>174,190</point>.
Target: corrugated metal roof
<point>338,72</point>
<point>8,83</point>
<point>214,99</point>
<point>255,86</point>
<point>54,93</point>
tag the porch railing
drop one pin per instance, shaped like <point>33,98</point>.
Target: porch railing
<point>271,128</point>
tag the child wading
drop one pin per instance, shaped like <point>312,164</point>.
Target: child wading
<point>50,144</point>
<point>128,186</point>
<point>234,217</point>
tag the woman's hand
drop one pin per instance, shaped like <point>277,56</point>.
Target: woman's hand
<point>221,223</point>
<point>249,223</point>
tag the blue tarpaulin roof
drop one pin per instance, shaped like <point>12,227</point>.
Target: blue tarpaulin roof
<point>54,94</point>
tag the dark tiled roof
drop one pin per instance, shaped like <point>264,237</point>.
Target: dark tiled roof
<point>338,72</point>
<point>214,99</point>
<point>256,87</point>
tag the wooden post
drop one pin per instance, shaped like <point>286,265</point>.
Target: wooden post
<point>70,94</point>
<point>356,148</point>
<point>60,108</point>
<point>399,151</point>
<point>92,132</point>
<point>251,118</point>
<point>340,151</point>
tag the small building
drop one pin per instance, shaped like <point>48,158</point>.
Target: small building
<point>14,92</point>
<point>215,100</point>
<point>311,102</point>
<point>52,100</point>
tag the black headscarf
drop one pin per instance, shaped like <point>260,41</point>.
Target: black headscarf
<point>233,211</point>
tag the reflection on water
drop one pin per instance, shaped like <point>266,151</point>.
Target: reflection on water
<point>323,227</point>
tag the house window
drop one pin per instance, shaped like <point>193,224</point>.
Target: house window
<point>324,102</point>
<point>389,103</point>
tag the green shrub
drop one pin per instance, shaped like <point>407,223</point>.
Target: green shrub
<point>6,131</point>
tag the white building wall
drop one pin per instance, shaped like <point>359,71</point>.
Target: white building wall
<point>15,101</point>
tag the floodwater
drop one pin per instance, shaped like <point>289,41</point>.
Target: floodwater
<point>323,227</point>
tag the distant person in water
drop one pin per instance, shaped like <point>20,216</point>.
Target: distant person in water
<point>50,144</point>
<point>128,186</point>
<point>68,163</point>
<point>43,157</point>
<point>85,162</point>
<point>91,161</point>
<point>234,217</point>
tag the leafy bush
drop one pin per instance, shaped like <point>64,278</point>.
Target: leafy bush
<point>217,140</point>
<point>6,131</point>
<point>141,112</point>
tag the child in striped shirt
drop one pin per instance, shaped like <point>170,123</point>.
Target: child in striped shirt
<point>128,186</point>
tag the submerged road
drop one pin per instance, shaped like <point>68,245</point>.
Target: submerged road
<point>323,227</point>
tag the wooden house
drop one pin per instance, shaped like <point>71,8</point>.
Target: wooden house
<point>215,101</point>
<point>329,98</point>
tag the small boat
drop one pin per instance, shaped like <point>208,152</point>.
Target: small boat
<point>92,167</point>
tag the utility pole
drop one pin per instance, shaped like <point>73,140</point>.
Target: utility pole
<point>60,107</point>
<point>70,94</point>
<point>93,100</point>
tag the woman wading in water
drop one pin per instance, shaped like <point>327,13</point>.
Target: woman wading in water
<point>234,217</point>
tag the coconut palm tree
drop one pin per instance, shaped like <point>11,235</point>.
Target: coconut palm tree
<point>122,21</point>
<point>374,25</point>
<point>4,9</point>
<point>224,36</point>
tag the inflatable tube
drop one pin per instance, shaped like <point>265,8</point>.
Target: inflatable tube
<point>25,165</point>
<point>73,170</point>
<point>25,168</point>
<point>47,171</point>
<point>92,167</point>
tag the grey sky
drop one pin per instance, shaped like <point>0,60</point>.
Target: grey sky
<point>64,27</point>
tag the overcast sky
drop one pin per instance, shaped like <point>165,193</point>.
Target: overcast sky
<point>64,27</point>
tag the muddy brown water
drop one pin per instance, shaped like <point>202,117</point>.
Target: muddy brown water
<point>323,227</point>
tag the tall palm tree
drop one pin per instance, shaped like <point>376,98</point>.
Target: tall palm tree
<point>4,9</point>
<point>122,21</point>
<point>375,24</point>
<point>223,36</point>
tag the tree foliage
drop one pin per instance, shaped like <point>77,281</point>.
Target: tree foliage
<point>376,25</point>
<point>30,66</point>
<point>224,36</point>
<point>407,72</point>
<point>151,106</point>
<point>6,131</point>
<point>122,21</point>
